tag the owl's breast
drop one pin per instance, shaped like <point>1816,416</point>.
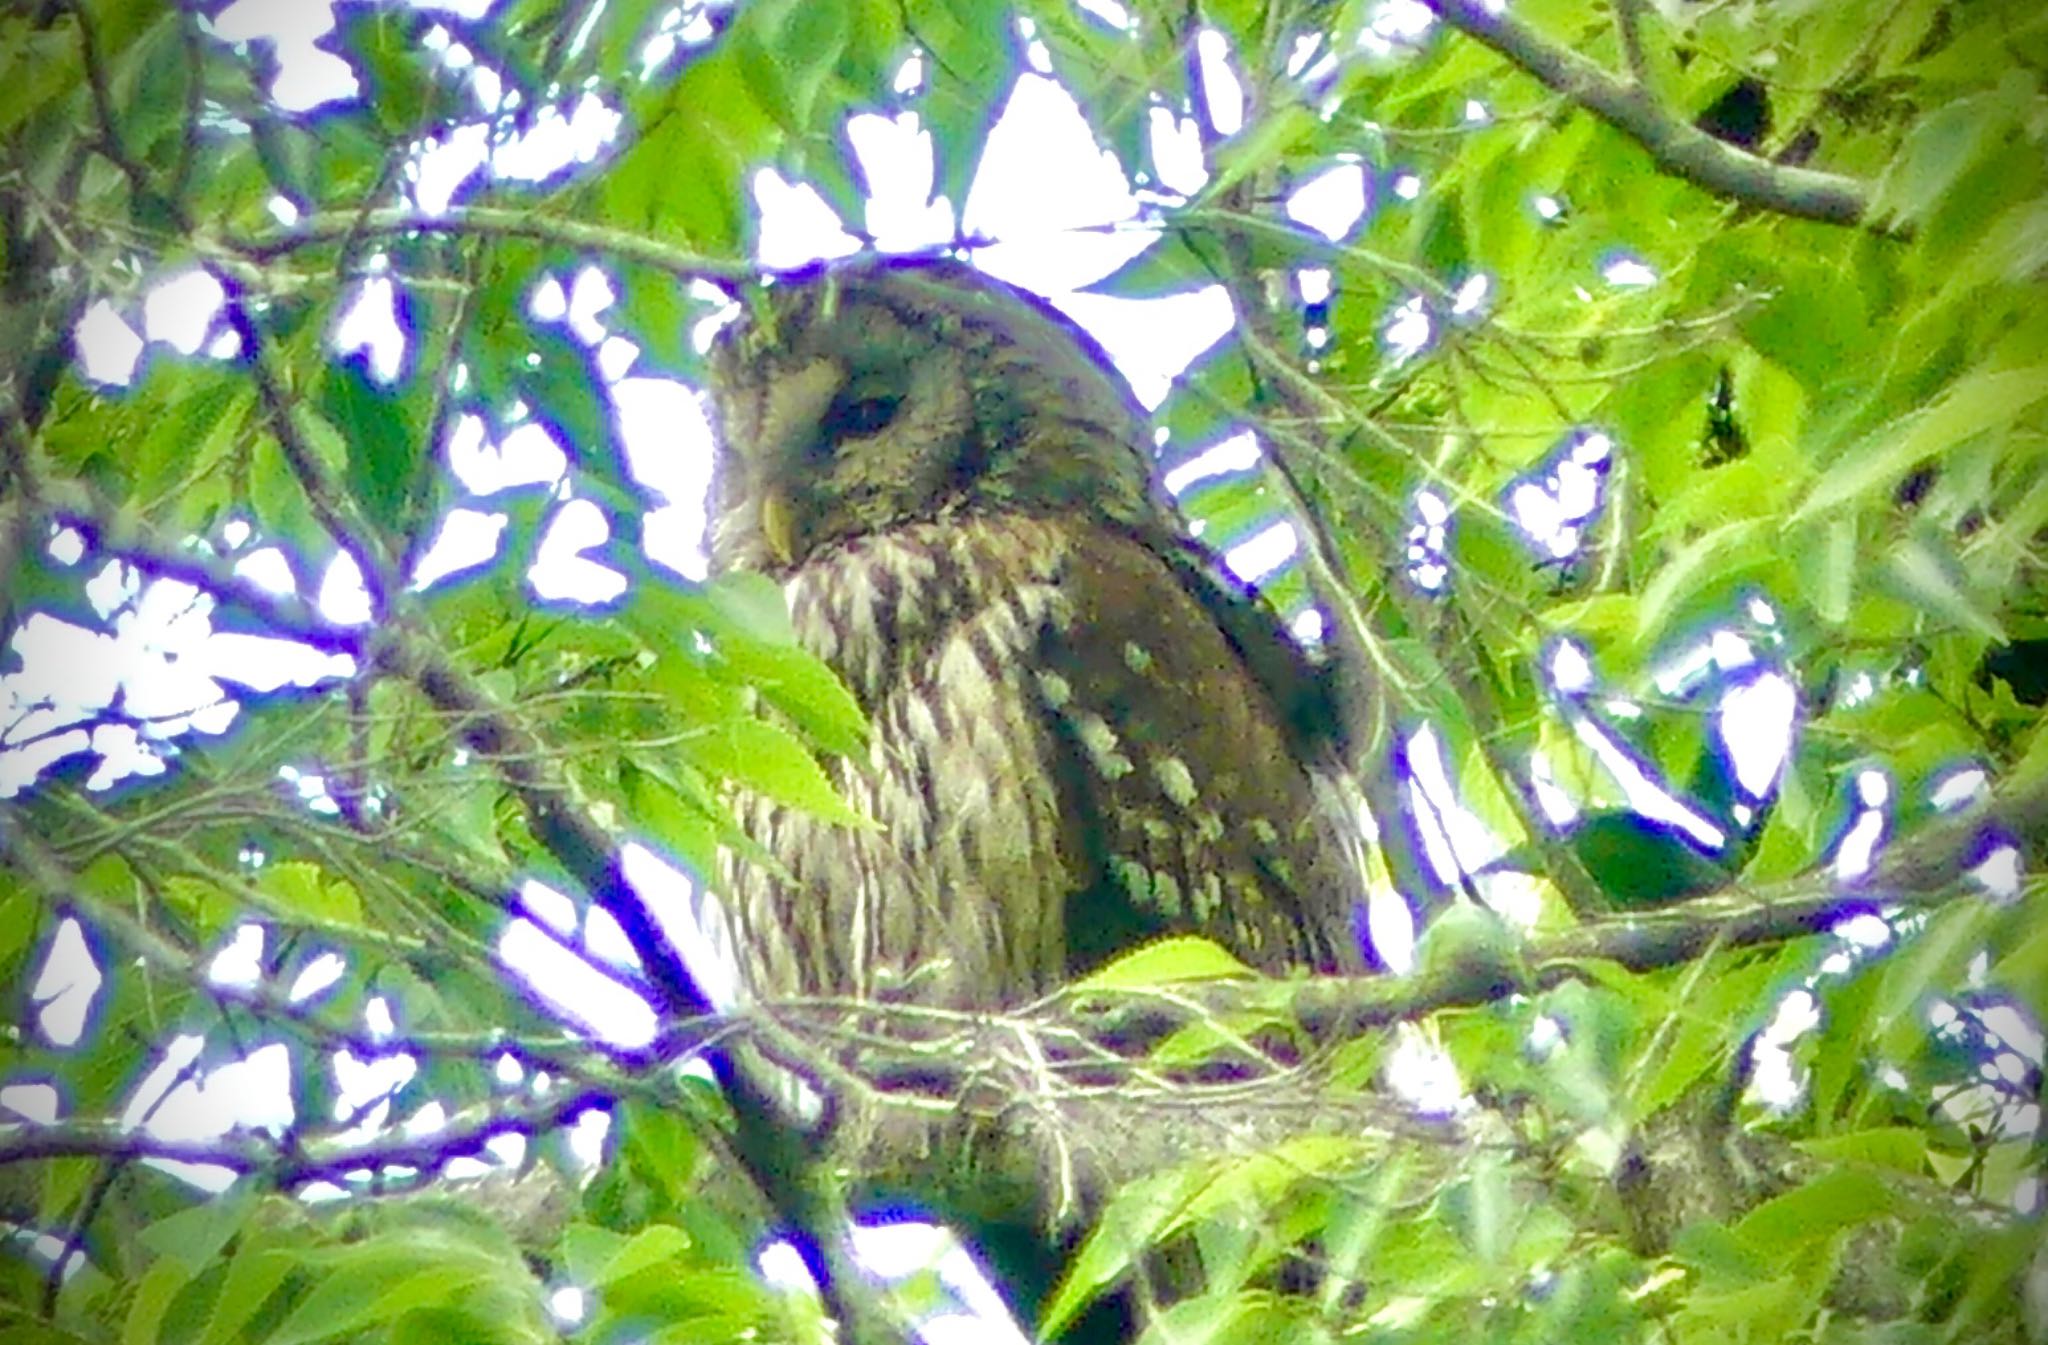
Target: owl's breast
<point>958,895</point>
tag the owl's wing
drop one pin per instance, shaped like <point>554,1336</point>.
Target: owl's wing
<point>1186,742</point>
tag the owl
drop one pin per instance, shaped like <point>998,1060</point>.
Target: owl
<point>1085,733</point>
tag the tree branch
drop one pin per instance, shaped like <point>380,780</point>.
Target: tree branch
<point>334,227</point>
<point>1678,148</point>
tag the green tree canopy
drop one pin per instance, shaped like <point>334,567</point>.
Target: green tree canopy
<point>1651,397</point>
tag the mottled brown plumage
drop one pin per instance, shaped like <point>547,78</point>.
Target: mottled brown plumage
<point>1084,733</point>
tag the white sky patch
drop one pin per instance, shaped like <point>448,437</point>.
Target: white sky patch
<point>308,76</point>
<point>797,227</point>
<point>1311,58</point>
<point>1395,25</point>
<point>107,347</point>
<point>445,164</point>
<point>910,75</point>
<point>667,440</point>
<point>269,662</point>
<point>1427,539</point>
<point>37,1102</point>
<point>65,986</point>
<point>1471,296</point>
<point>1779,1078</point>
<point>290,22</point>
<point>1238,453</point>
<point>1548,208</point>
<point>1177,152</point>
<point>902,212</point>
<point>527,456</point>
<point>20,766</point>
<point>162,656</point>
<point>691,921</point>
<point>468,538</point>
<point>239,966</point>
<point>1226,94</point>
<point>589,296</point>
<point>1625,272</point>
<point>1553,504</point>
<point>344,598</point>
<point>1962,786</point>
<point>1047,193</point>
<point>1332,203</point>
<point>177,1056</point>
<point>1859,843</point>
<point>317,977</point>
<point>1456,841</point>
<point>1109,12</point>
<point>726,312</point>
<point>567,1305</point>
<point>377,1017</point>
<point>66,546</point>
<point>1407,186</point>
<point>896,1251</point>
<point>615,358</point>
<point>179,310</point>
<point>112,587</point>
<point>364,1088</point>
<point>1558,808</point>
<point>370,324</point>
<point>1755,722</point>
<point>573,989</point>
<point>1263,552</point>
<point>1152,341</point>
<point>1999,873</point>
<point>1863,930</point>
<point>1644,794</point>
<point>1036,54</point>
<point>606,941</point>
<point>1571,672</point>
<point>549,302</point>
<point>560,570</point>
<point>1424,1074</point>
<point>1407,332</point>
<point>2013,1027</point>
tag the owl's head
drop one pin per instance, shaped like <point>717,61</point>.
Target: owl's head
<point>863,396</point>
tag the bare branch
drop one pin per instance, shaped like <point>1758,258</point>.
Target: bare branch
<point>1628,23</point>
<point>1678,148</point>
<point>336,227</point>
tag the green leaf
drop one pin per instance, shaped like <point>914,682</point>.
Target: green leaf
<point>252,1277</point>
<point>1926,571</point>
<point>767,759</point>
<point>300,888</point>
<point>1137,1216</point>
<point>802,687</point>
<point>385,444</point>
<point>1939,149</point>
<point>1902,1148</point>
<point>1163,962</point>
<point>1981,402</point>
<point>1819,1209</point>
<point>159,1284</point>
<point>195,1236</point>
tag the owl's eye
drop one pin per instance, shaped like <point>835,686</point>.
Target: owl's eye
<point>858,417</point>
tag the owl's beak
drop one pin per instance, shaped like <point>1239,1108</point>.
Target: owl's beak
<point>778,526</point>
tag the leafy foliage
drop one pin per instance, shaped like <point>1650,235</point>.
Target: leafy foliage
<point>1812,449</point>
